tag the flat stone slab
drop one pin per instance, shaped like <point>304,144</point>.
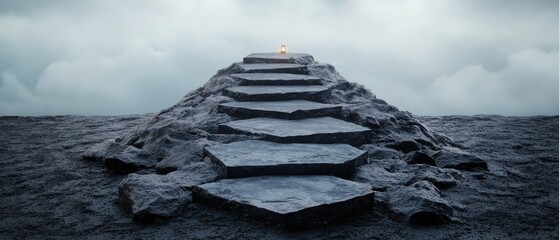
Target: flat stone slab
<point>309,130</point>
<point>301,58</point>
<point>259,158</point>
<point>275,79</point>
<point>274,68</point>
<point>293,109</point>
<point>290,201</point>
<point>276,93</point>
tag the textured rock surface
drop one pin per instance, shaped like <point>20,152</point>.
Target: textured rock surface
<point>294,109</point>
<point>275,79</point>
<point>458,159</point>
<point>290,201</point>
<point>258,158</point>
<point>309,130</point>
<point>276,93</point>
<point>299,58</point>
<point>48,192</point>
<point>183,155</point>
<point>419,204</point>
<point>150,196</point>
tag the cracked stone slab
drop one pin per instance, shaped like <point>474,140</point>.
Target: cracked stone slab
<point>275,79</point>
<point>293,109</point>
<point>276,93</point>
<point>259,158</point>
<point>274,68</point>
<point>309,130</point>
<point>301,58</point>
<point>289,201</point>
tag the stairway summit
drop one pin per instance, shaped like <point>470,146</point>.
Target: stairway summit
<point>286,139</point>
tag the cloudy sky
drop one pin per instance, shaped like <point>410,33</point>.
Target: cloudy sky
<point>428,57</point>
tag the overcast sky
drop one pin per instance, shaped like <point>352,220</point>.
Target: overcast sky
<point>107,57</point>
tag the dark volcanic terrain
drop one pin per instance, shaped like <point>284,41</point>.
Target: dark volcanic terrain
<point>49,191</point>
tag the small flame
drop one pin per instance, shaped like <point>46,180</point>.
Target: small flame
<point>283,49</point>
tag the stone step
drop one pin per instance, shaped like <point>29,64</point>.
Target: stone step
<point>274,68</point>
<point>275,79</point>
<point>278,58</point>
<point>276,93</point>
<point>259,158</point>
<point>293,109</point>
<point>289,201</point>
<point>309,130</point>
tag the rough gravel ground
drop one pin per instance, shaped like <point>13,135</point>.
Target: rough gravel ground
<point>49,191</point>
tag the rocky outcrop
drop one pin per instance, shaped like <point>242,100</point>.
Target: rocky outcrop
<point>151,196</point>
<point>407,161</point>
<point>419,204</point>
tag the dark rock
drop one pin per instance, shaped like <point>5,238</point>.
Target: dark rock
<point>299,58</point>
<point>274,68</point>
<point>458,159</point>
<point>276,93</point>
<point>102,150</point>
<point>290,201</point>
<point>150,196</point>
<point>405,146</point>
<point>381,179</point>
<point>130,160</point>
<point>294,109</point>
<point>440,177</point>
<point>276,79</point>
<point>258,158</point>
<point>183,155</point>
<point>419,204</point>
<point>419,157</point>
<point>310,130</point>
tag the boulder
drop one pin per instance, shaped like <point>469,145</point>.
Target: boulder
<point>182,155</point>
<point>457,158</point>
<point>102,150</point>
<point>405,146</point>
<point>151,196</point>
<point>419,204</point>
<point>381,179</point>
<point>419,157</point>
<point>442,178</point>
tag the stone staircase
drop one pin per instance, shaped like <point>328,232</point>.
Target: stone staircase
<point>294,175</point>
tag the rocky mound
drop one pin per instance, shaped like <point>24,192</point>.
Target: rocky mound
<point>280,99</point>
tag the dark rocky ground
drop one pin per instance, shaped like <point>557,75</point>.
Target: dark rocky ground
<point>49,191</point>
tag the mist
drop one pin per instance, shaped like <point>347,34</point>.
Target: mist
<point>427,57</point>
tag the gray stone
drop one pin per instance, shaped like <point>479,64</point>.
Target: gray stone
<point>442,178</point>
<point>419,204</point>
<point>275,79</point>
<point>300,58</point>
<point>258,158</point>
<point>183,155</point>
<point>274,68</point>
<point>290,201</point>
<point>405,146</point>
<point>381,179</point>
<point>309,130</point>
<point>131,159</point>
<point>419,157</point>
<point>150,196</point>
<point>276,93</point>
<point>457,158</point>
<point>293,109</point>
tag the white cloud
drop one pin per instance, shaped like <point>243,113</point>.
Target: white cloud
<point>106,57</point>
